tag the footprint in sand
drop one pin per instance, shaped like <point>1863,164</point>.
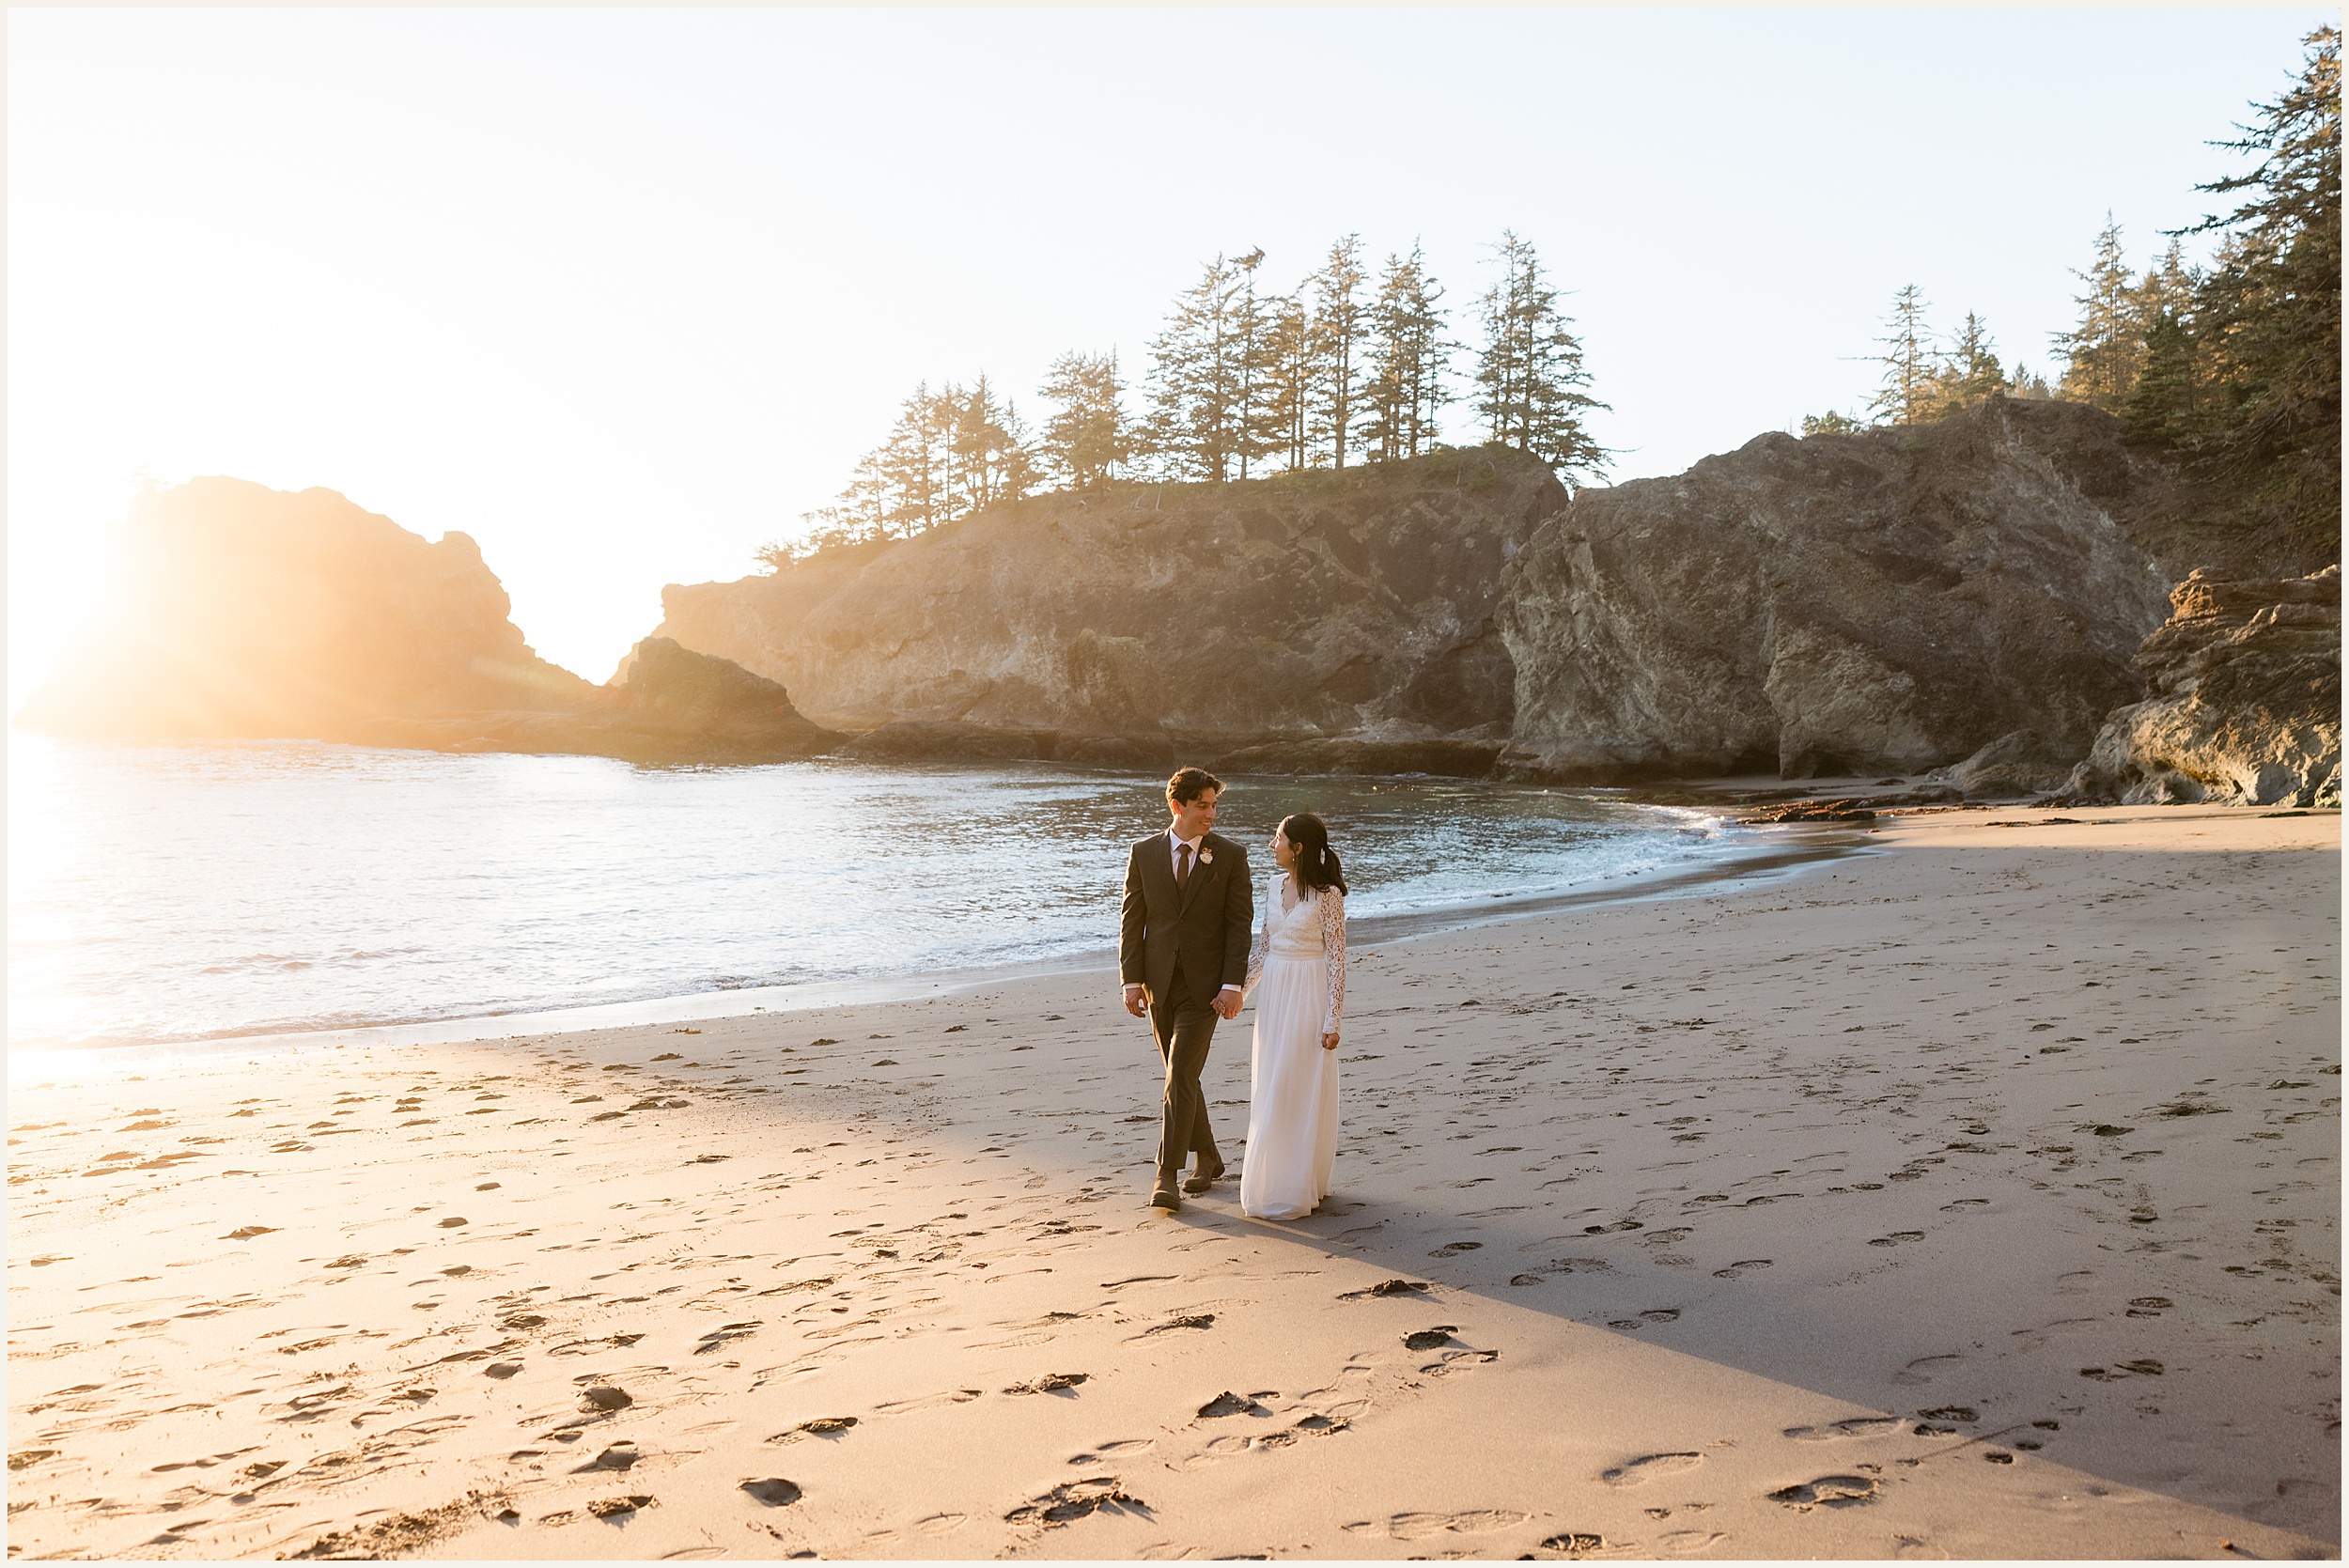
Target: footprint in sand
<point>1924,1369</point>
<point>1076,1499</point>
<point>1649,1468</point>
<point>1687,1543</point>
<point>822,1427</point>
<point>1828,1491</point>
<point>927,1402</point>
<point>1738,1270</point>
<point>1854,1426</point>
<point>1120,1448</point>
<point>1420,1527</point>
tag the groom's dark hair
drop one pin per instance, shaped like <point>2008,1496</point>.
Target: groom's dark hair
<point>1188,783</point>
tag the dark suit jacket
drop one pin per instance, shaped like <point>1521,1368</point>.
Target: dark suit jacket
<point>1207,926</point>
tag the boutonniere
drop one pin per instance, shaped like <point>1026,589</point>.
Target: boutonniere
<point>1206,856</point>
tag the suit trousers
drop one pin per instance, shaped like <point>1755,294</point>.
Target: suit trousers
<point>1184,1024</point>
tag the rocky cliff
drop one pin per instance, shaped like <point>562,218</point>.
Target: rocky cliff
<point>1126,622</point>
<point>2243,701</point>
<point>250,612</point>
<point>673,705</point>
<point>259,613</point>
<point>1889,600</point>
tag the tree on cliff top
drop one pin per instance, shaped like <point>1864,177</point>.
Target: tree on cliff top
<point>1906,391</point>
<point>1334,338</point>
<point>2268,314</point>
<point>1087,441</point>
<point>1198,380</point>
<point>2102,352</point>
<point>1407,355</point>
<point>1529,375</point>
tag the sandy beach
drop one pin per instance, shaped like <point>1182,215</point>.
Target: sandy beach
<point>1979,1197</point>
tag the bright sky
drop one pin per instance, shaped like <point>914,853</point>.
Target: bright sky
<point>622,294</point>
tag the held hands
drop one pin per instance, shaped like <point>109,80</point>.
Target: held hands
<point>1226,1003</point>
<point>1329,1041</point>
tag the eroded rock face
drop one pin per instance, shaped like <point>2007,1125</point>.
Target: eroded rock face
<point>2015,766</point>
<point>1886,601</point>
<point>2243,701</point>
<point>1200,615</point>
<point>248,611</point>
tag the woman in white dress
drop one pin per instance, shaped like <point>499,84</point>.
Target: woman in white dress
<point>1296,973</point>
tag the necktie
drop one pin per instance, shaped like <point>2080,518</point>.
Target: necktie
<point>1182,866</point>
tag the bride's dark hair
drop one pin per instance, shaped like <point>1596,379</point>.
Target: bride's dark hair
<point>1317,862</point>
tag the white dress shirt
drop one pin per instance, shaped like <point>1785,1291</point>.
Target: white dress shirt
<point>1175,863</point>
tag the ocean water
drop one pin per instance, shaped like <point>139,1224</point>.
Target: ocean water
<point>176,892</point>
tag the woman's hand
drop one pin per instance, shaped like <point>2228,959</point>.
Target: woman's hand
<point>1329,1041</point>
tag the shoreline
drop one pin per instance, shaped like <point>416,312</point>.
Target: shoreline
<point>1975,1199</point>
<point>1786,851</point>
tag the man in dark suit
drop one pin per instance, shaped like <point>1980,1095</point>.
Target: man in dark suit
<point>1182,951</point>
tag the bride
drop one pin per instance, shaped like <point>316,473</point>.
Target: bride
<point>1297,972</point>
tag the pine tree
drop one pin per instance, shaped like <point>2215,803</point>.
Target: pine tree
<point>2269,313</point>
<point>1253,326</point>
<point>1196,378</point>
<point>1407,352</point>
<point>1906,394</point>
<point>1965,372</point>
<point>2102,353</point>
<point>915,463</point>
<point>1529,375</point>
<point>989,458</point>
<point>1289,367</point>
<point>1087,441</point>
<point>2164,405</point>
<point>1334,390</point>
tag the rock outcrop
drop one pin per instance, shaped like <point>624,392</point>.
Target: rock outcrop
<point>2014,766</point>
<point>2242,706</point>
<point>248,611</point>
<point>1890,600</point>
<point>253,613</point>
<point>1128,624</point>
<point>674,704</point>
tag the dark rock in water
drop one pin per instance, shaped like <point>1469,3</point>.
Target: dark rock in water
<point>2016,766</point>
<point>2242,705</point>
<point>1815,810</point>
<point>1886,601</point>
<point>1317,601</point>
<point>248,611</point>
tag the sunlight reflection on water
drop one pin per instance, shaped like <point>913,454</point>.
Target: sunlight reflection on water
<point>180,892</point>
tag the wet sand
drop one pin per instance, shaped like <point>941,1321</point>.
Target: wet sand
<point>1976,1198</point>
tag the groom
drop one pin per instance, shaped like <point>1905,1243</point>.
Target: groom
<point>1182,951</point>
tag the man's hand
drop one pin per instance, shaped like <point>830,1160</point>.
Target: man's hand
<point>1226,1005</point>
<point>1329,1041</point>
<point>1133,1000</point>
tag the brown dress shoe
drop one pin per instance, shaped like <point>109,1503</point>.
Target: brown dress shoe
<point>1203,1180</point>
<point>1166,1197</point>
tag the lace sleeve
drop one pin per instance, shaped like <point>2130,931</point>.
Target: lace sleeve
<point>1332,958</point>
<point>1263,942</point>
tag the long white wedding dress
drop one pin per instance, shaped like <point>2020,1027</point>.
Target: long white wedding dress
<point>1297,975</point>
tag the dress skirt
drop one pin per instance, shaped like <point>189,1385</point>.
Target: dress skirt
<point>1293,1096</point>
